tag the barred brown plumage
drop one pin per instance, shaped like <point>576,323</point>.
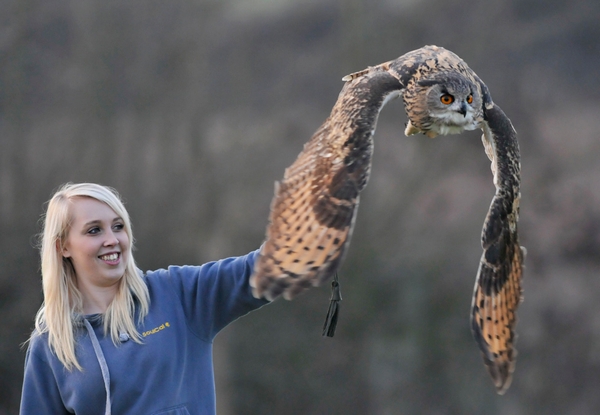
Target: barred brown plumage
<point>314,208</point>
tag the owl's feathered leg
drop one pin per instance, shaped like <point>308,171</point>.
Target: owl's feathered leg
<point>411,129</point>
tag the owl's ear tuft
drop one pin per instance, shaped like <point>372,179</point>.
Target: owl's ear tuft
<point>428,82</point>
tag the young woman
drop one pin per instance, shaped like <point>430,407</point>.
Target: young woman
<point>110,338</point>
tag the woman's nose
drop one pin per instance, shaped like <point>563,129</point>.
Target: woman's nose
<point>111,239</point>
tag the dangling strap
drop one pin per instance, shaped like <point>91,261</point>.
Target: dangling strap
<point>334,308</point>
<point>101,362</point>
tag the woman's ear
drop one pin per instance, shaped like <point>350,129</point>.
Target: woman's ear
<point>64,251</point>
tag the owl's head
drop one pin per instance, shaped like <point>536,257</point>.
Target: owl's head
<point>453,103</point>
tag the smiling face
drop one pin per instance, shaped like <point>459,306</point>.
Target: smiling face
<point>97,244</point>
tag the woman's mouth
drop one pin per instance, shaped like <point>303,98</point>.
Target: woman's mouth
<point>111,259</point>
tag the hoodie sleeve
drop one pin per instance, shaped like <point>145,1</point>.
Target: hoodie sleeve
<point>40,393</point>
<point>216,293</point>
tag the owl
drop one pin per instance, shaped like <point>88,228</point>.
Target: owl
<point>314,207</point>
<point>445,104</point>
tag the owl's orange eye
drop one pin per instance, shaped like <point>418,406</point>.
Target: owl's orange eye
<point>470,99</point>
<point>447,99</point>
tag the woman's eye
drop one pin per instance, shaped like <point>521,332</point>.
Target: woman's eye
<point>447,99</point>
<point>94,230</point>
<point>118,226</point>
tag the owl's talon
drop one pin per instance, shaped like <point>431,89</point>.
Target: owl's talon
<point>411,129</point>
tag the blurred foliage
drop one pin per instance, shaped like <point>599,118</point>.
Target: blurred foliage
<point>192,109</point>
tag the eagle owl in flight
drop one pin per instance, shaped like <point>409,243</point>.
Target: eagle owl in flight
<point>314,208</point>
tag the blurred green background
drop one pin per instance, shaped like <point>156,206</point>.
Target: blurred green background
<point>192,109</point>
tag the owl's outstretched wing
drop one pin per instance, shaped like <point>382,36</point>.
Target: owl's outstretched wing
<point>313,211</point>
<point>311,220</point>
<point>497,291</point>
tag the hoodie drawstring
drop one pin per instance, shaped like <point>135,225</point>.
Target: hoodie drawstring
<point>101,362</point>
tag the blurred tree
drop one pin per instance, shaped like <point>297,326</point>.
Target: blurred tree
<point>191,109</point>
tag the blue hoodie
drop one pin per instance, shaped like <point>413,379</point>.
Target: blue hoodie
<point>171,372</point>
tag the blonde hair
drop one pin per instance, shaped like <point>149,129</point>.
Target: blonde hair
<point>60,313</point>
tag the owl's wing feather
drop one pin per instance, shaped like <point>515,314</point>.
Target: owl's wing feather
<point>313,211</point>
<point>311,221</point>
<point>497,291</point>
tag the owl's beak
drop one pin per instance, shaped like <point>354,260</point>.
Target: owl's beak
<point>463,109</point>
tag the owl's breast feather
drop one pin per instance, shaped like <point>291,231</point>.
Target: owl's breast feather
<point>452,123</point>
